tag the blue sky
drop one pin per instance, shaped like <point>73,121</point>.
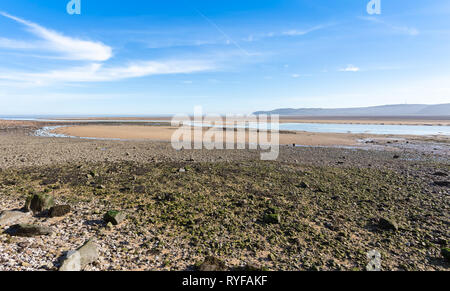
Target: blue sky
<point>164,57</point>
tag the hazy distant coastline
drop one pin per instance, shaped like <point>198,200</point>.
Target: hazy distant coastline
<point>410,110</point>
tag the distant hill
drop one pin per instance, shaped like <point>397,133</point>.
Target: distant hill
<point>385,110</point>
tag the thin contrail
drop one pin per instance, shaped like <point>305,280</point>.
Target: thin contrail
<point>222,32</point>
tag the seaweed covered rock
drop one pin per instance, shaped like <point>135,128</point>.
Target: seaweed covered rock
<point>114,216</point>
<point>445,252</point>
<point>39,202</point>
<point>272,216</point>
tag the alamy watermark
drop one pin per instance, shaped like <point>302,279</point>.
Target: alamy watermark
<point>230,132</point>
<point>374,7</point>
<point>74,7</point>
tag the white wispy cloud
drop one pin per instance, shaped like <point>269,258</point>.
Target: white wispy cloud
<point>98,72</point>
<point>286,33</point>
<point>68,47</point>
<point>407,30</point>
<point>296,32</point>
<point>300,75</point>
<point>412,31</point>
<point>15,44</point>
<point>95,55</point>
<point>350,68</point>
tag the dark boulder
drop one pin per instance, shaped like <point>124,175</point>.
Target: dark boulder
<point>29,230</point>
<point>387,224</point>
<point>445,252</point>
<point>442,183</point>
<point>59,210</point>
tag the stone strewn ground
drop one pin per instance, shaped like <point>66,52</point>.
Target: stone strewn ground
<point>327,215</point>
<point>314,208</point>
<point>23,150</point>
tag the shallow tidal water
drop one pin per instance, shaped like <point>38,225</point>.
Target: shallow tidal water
<point>423,130</point>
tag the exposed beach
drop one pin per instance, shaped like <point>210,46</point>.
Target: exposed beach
<point>163,133</point>
<point>228,136</point>
<point>183,206</point>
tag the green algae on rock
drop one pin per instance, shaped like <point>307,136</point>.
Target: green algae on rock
<point>114,216</point>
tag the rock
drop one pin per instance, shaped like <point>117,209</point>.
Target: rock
<point>139,189</point>
<point>442,183</point>
<point>78,260</point>
<point>124,189</point>
<point>39,203</point>
<point>49,181</point>
<point>29,230</point>
<point>93,174</point>
<point>212,264</point>
<point>303,185</point>
<point>374,258</point>
<point>387,224</point>
<point>88,253</point>
<point>59,210</point>
<point>114,216</point>
<point>272,218</point>
<point>182,170</point>
<point>445,252</point>
<point>440,174</point>
<point>8,218</point>
<point>71,262</point>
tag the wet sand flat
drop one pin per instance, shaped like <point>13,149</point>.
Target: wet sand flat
<point>163,133</point>
<point>155,133</point>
